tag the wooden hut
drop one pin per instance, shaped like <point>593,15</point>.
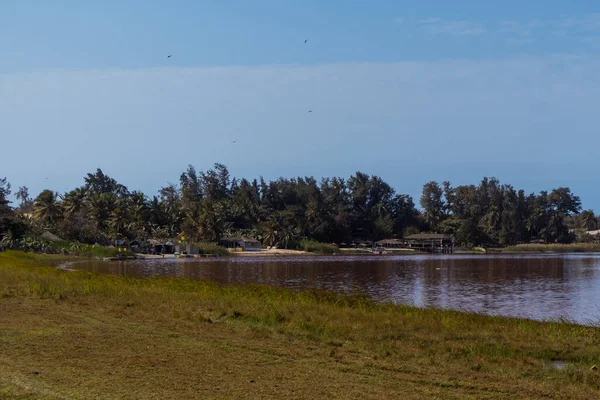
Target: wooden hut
<point>430,242</point>
<point>135,245</point>
<point>391,244</point>
<point>159,247</point>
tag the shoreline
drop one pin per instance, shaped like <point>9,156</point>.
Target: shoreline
<point>278,253</point>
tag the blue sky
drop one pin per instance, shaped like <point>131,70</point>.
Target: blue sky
<point>410,91</point>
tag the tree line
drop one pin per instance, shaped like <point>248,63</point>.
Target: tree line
<point>209,205</point>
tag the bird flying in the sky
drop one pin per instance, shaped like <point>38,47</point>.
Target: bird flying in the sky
<point>309,111</point>
<point>305,40</point>
<point>169,56</point>
<point>234,141</point>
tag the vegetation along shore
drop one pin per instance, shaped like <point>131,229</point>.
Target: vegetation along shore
<point>82,335</point>
<point>292,214</point>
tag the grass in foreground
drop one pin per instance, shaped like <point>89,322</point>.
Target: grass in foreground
<point>554,248</point>
<point>82,335</point>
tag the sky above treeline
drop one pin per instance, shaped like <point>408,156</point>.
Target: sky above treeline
<point>410,91</point>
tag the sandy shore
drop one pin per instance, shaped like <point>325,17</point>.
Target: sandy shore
<point>283,252</point>
<point>271,252</point>
<point>264,252</point>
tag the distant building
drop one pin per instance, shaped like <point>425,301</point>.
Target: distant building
<point>134,245</point>
<point>192,249</point>
<point>594,234</point>
<point>431,242</point>
<point>428,242</point>
<point>241,244</point>
<point>121,243</point>
<point>391,244</point>
<point>359,243</point>
<point>158,247</point>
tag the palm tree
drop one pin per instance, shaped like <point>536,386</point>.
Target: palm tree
<point>269,232</point>
<point>46,208</point>
<point>589,221</point>
<point>73,201</point>
<point>100,207</point>
<point>289,235</point>
<point>211,221</point>
<point>118,222</point>
<point>489,222</point>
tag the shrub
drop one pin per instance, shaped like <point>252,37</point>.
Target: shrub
<point>316,247</point>
<point>212,248</point>
<point>555,248</point>
<point>34,244</point>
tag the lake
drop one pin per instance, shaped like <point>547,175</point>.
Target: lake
<point>539,286</point>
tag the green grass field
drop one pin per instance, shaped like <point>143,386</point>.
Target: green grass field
<point>554,248</point>
<point>67,335</point>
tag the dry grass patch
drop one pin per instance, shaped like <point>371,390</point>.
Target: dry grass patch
<point>99,336</point>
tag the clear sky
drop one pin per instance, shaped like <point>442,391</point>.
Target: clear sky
<point>411,91</point>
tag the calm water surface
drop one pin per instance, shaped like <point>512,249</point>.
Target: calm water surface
<point>533,286</point>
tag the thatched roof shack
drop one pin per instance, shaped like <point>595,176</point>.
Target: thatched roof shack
<point>160,247</point>
<point>440,237</point>
<point>430,242</point>
<point>359,243</point>
<point>244,243</point>
<point>391,243</point>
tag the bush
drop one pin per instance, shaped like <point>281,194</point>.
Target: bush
<point>555,248</point>
<point>86,250</point>
<point>34,244</point>
<point>212,248</point>
<point>316,247</point>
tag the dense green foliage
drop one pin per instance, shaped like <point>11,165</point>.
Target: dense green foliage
<point>206,206</point>
<point>316,247</point>
<point>41,245</point>
<point>212,249</point>
<point>497,214</point>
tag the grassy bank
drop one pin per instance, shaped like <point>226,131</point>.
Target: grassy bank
<point>39,245</point>
<point>82,335</point>
<point>311,246</point>
<point>554,248</point>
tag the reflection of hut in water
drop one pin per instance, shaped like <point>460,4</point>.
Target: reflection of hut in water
<point>240,244</point>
